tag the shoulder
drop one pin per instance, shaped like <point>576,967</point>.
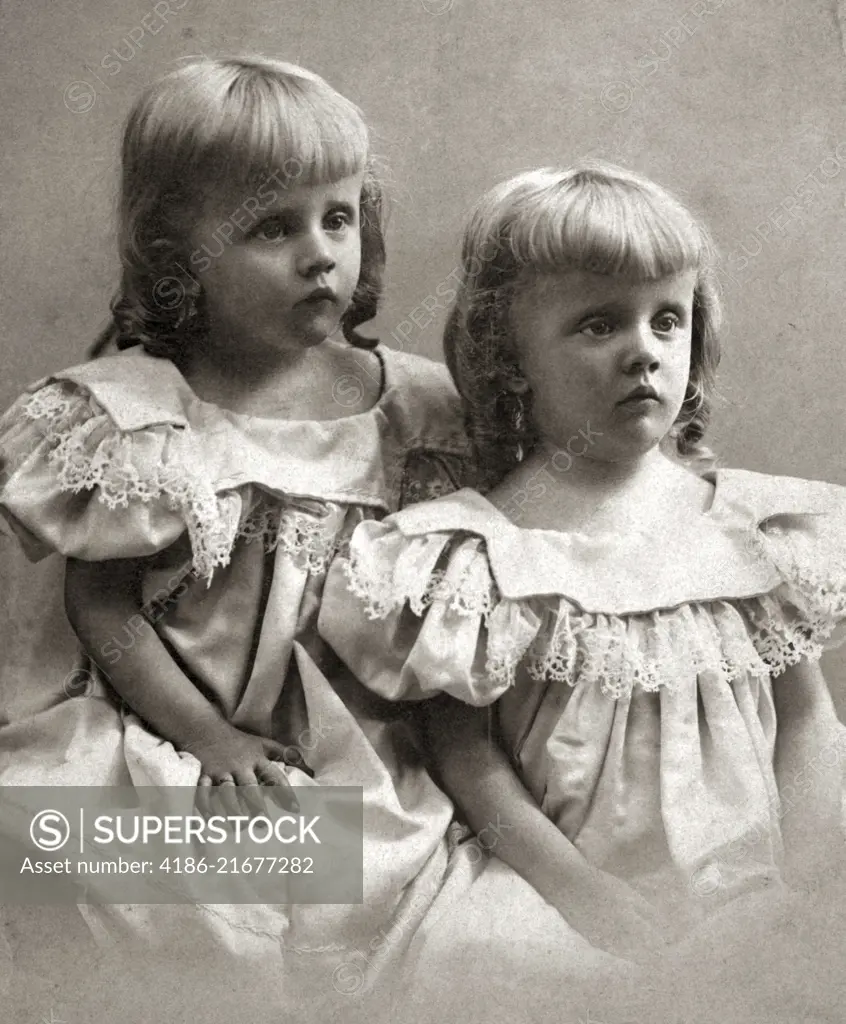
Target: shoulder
<point>448,544</point>
<point>797,530</point>
<point>428,447</point>
<point>465,512</point>
<point>125,395</point>
<point>424,406</point>
<point>424,553</point>
<point>134,389</point>
<point>448,642</point>
<point>766,496</point>
<point>99,461</point>
<point>410,371</point>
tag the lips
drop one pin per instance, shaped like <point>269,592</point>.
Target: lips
<point>319,295</point>
<point>641,394</point>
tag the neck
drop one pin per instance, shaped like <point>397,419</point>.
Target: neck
<point>600,476</point>
<point>246,382</point>
<point>581,493</point>
<point>328,381</point>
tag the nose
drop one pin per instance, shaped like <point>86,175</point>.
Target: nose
<point>315,256</point>
<point>643,350</point>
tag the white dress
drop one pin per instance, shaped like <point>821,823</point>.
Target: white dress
<point>631,682</point>
<point>237,518</point>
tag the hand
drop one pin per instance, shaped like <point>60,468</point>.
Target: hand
<point>230,758</point>
<point>613,916</point>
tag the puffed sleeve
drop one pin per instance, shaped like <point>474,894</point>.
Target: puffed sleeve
<point>416,616</point>
<point>72,482</point>
<point>809,552</point>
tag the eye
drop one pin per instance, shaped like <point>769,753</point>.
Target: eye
<point>338,220</point>
<point>665,323</point>
<point>597,328</point>
<point>270,230</point>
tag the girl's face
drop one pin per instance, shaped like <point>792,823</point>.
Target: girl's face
<point>607,358</point>
<point>278,269</point>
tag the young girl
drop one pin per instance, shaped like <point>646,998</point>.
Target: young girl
<point>645,628</point>
<point>199,482</point>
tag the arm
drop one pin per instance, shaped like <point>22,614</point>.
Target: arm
<point>479,776</point>
<point>810,747</point>
<point>101,599</point>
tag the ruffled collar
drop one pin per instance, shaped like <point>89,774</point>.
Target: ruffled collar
<point>725,555</point>
<point>345,460</point>
<point>756,584</point>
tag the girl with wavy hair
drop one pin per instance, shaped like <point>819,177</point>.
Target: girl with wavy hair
<point>199,482</point>
<point>623,639</point>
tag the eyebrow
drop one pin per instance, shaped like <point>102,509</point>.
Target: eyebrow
<point>288,207</point>
<point>598,309</point>
<point>612,308</point>
<point>342,205</point>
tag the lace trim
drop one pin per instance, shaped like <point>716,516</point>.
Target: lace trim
<point>108,464</point>
<point>90,454</point>
<point>371,584</point>
<point>303,535</point>
<point>555,640</point>
<point>652,651</point>
<point>814,568</point>
<point>381,589</point>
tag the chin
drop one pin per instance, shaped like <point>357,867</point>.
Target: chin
<point>313,329</point>
<point>301,338</point>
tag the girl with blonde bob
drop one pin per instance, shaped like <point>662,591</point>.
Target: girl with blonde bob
<point>547,221</point>
<point>198,483</point>
<point>643,628</point>
<point>250,128</point>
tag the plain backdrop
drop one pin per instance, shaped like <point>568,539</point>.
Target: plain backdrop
<point>737,105</point>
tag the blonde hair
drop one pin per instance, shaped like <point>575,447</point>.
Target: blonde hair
<point>597,218</point>
<point>214,125</point>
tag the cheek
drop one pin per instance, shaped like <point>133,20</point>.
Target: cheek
<point>680,359</point>
<point>223,290</point>
<point>236,291</point>
<point>245,275</point>
<point>558,398</point>
<point>350,258</point>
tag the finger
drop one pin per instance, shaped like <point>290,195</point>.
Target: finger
<point>227,793</point>
<point>270,775</point>
<point>273,776</point>
<point>294,759</point>
<point>203,793</point>
<point>286,755</point>
<point>249,792</point>
<point>276,751</point>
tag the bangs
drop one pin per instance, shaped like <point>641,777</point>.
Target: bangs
<point>605,224</point>
<point>292,126</point>
<point>234,123</point>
